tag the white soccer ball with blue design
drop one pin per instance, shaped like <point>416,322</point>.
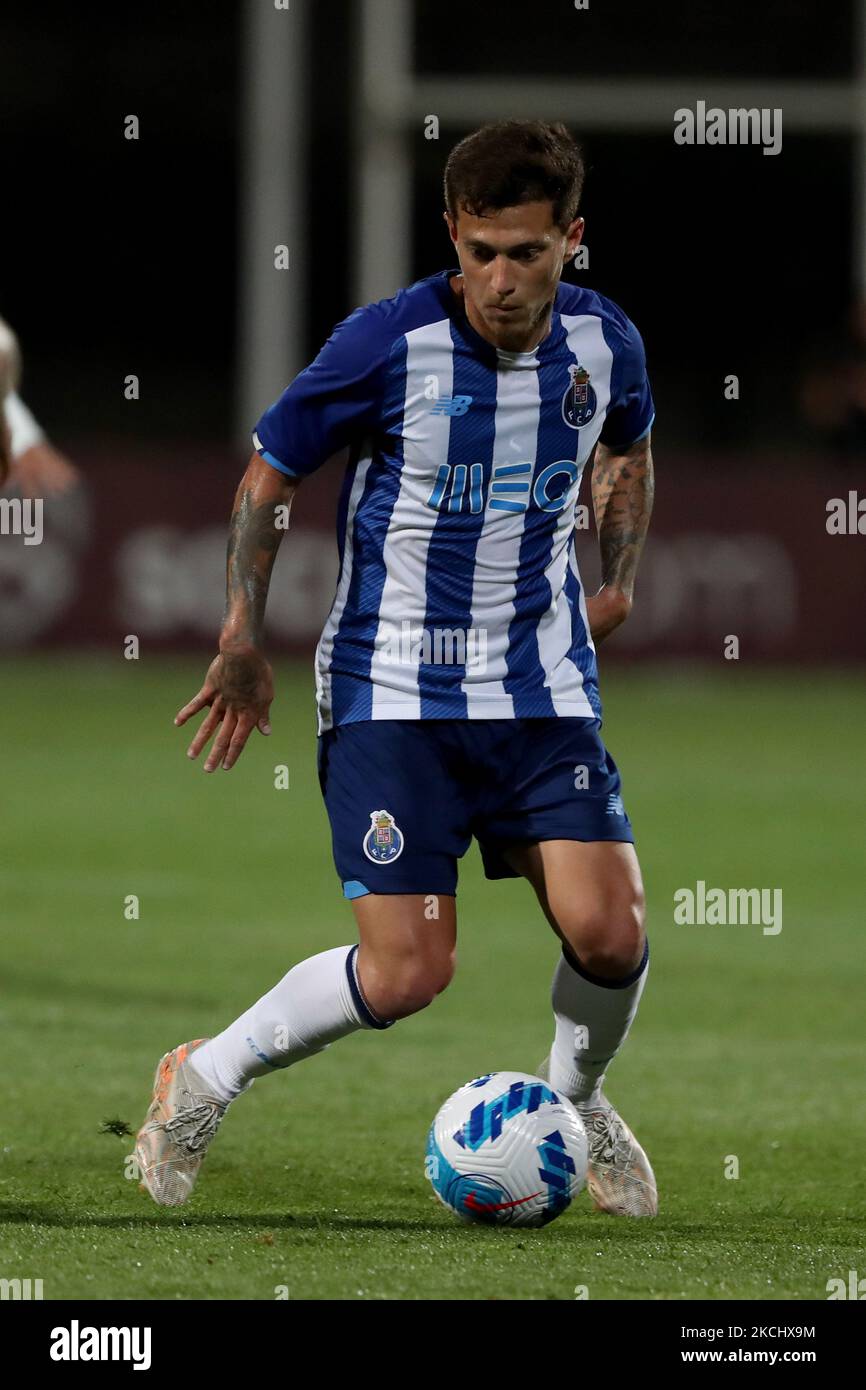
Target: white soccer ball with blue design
<point>507,1149</point>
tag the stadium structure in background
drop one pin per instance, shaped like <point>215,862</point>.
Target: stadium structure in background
<point>333,173</point>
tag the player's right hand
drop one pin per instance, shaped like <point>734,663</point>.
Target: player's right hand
<point>239,688</point>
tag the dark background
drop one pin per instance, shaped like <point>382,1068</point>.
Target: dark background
<point>121,256</point>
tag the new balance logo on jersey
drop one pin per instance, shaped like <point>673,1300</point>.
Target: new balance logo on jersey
<point>615,806</point>
<point>510,489</point>
<point>451,405</point>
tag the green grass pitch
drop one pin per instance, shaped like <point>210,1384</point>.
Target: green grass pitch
<point>746,1044</point>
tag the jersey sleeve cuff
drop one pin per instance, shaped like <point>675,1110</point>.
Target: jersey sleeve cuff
<point>272,459</point>
<point>623,448</point>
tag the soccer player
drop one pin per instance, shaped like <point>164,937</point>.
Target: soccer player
<point>26,458</point>
<point>470,404</point>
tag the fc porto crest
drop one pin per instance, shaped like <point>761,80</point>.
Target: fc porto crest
<point>383,842</point>
<point>578,403</point>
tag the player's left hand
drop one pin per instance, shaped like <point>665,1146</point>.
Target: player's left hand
<point>41,470</point>
<point>606,610</point>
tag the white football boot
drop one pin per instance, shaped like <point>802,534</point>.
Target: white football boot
<point>180,1123</point>
<point>619,1177</point>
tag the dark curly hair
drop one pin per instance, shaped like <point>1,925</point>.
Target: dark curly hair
<point>510,162</point>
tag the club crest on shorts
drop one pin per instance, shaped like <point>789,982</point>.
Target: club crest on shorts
<point>383,842</point>
<point>579,402</point>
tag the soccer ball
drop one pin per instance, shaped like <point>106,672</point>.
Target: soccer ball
<point>507,1150</point>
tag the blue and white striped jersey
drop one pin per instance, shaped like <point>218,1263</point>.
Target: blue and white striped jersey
<point>458,594</point>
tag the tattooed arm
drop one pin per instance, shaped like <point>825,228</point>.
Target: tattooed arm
<point>622,498</point>
<point>239,686</point>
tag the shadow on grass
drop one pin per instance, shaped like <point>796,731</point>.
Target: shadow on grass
<point>308,1221</point>
<point>757,1227</point>
<point>590,1226</point>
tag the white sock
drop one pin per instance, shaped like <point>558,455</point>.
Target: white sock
<point>593,1017</point>
<point>319,1001</point>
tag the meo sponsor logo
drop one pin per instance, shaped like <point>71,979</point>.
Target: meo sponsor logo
<point>511,487</point>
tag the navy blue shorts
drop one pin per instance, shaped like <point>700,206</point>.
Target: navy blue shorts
<point>405,796</point>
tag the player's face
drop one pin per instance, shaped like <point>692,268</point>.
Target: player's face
<point>512,262</point>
